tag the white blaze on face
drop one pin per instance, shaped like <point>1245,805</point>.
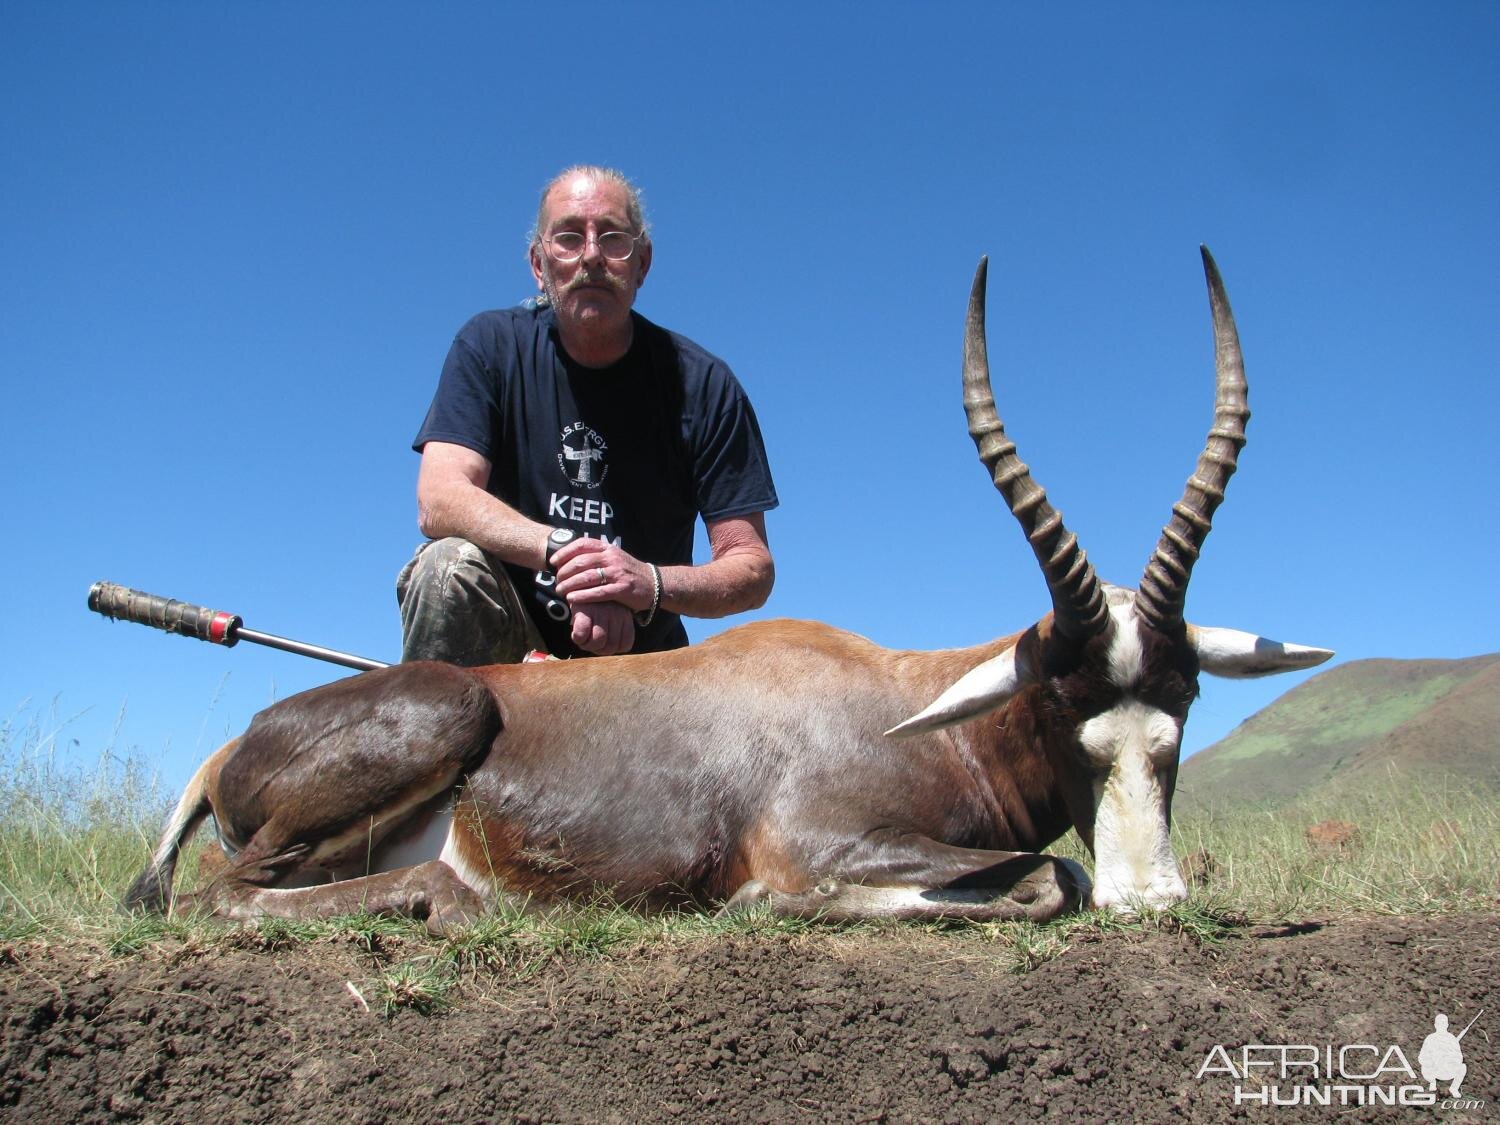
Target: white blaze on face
<point>1132,748</point>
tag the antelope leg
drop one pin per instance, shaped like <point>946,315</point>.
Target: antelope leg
<point>429,891</point>
<point>899,875</point>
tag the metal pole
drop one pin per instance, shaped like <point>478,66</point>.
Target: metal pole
<point>211,625</point>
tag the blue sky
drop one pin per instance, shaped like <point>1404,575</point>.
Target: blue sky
<point>236,241</point>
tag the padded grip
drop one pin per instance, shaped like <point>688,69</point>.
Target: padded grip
<point>124,604</point>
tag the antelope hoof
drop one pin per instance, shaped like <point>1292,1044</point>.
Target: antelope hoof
<point>810,903</point>
<point>750,895</point>
<point>1075,883</point>
<point>1059,887</point>
<point>450,902</point>
<point>453,911</point>
<point>187,906</point>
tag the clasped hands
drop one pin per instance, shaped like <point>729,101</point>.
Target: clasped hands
<point>603,586</point>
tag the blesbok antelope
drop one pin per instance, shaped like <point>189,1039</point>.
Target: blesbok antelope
<point>774,763</point>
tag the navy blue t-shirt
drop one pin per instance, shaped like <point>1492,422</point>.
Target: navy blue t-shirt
<point>632,453</point>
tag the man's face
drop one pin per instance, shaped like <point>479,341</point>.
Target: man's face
<point>591,294</point>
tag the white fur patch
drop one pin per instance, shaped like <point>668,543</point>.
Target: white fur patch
<point>1126,657</point>
<point>176,824</point>
<point>853,900</point>
<point>481,882</point>
<point>409,849</point>
<point>390,842</point>
<point>1132,746</point>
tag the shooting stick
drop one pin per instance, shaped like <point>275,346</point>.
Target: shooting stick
<point>211,625</point>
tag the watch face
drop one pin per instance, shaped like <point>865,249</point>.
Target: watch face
<point>559,538</point>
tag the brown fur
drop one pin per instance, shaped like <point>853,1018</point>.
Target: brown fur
<point>757,757</point>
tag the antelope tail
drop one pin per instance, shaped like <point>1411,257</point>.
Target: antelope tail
<point>152,889</point>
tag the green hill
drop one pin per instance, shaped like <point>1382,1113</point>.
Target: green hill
<point>1356,722</point>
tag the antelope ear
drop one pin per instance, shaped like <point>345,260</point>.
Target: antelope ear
<point>981,689</point>
<point>1237,655</point>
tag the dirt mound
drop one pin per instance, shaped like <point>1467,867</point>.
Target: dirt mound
<point>910,1027</point>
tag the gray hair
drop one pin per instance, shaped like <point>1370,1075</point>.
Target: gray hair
<point>635,210</point>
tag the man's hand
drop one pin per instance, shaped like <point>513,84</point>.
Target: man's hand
<point>603,585</point>
<point>591,573</point>
<point>604,628</point>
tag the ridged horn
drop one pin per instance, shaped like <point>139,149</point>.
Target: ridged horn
<point>1078,606</point>
<point>1163,588</point>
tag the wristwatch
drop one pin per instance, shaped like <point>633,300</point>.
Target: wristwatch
<point>557,539</point>
<point>546,579</point>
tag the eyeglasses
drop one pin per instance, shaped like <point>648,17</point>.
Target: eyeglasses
<point>569,245</point>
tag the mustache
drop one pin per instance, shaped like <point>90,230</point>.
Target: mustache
<point>584,278</point>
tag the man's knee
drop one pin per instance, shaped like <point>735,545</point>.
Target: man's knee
<point>437,565</point>
<point>458,605</point>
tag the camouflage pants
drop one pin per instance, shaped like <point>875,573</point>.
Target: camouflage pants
<point>459,605</point>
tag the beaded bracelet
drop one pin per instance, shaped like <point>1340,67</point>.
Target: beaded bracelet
<point>645,617</point>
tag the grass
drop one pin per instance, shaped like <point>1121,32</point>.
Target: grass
<point>1421,849</point>
<point>72,838</point>
<point>421,984</point>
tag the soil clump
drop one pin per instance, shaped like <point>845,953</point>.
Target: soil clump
<point>894,1027</point>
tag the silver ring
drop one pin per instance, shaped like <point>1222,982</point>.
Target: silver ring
<point>600,572</point>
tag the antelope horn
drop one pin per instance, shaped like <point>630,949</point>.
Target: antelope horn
<point>1078,606</point>
<point>1163,588</point>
